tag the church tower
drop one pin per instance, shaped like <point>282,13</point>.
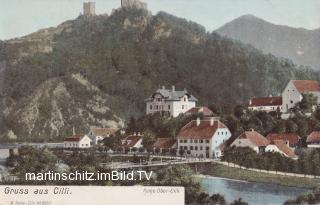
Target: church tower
<point>89,8</point>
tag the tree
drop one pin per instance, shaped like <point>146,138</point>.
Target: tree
<point>217,199</point>
<point>239,202</point>
<point>308,102</point>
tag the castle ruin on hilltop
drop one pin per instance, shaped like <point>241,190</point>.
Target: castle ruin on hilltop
<point>133,4</point>
<point>89,8</point>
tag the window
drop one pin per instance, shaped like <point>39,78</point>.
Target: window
<point>201,147</point>
<point>185,141</point>
<point>291,101</point>
<point>185,147</point>
<point>181,147</point>
<point>181,141</point>
<point>201,141</point>
<point>191,141</point>
<point>239,142</point>
<point>195,148</point>
<point>182,106</point>
<point>156,107</point>
<point>208,141</point>
<point>168,107</point>
<point>184,99</point>
<point>195,141</point>
<point>191,147</point>
<point>218,133</point>
<point>159,99</point>
<point>150,107</point>
<point>207,148</point>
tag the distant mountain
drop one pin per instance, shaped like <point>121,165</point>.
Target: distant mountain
<point>126,56</point>
<point>300,45</point>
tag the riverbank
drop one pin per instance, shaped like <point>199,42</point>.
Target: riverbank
<point>218,170</point>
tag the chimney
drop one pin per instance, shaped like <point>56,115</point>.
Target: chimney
<point>139,134</point>
<point>198,121</point>
<point>252,130</point>
<point>250,102</point>
<point>270,95</point>
<point>173,88</point>
<point>163,87</point>
<point>212,121</point>
<point>73,131</point>
<point>134,134</point>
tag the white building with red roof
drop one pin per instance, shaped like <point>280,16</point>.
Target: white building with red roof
<point>293,93</point>
<point>253,140</point>
<point>132,141</point>
<point>313,139</point>
<point>267,104</point>
<point>293,139</point>
<point>281,147</point>
<point>202,138</point>
<point>165,144</point>
<point>77,141</point>
<point>170,101</point>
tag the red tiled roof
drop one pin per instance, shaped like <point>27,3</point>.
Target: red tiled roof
<point>164,143</point>
<point>282,146</point>
<point>266,101</point>
<point>131,141</point>
<point>196,110</point>
<point>203,131</point>
<point>306,85</point>
<point>75,138</point>
<point>314,137</point>
<point>293,138</point>
<point>255,137</point>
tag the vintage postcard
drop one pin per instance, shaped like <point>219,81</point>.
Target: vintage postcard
<point>159,102</point>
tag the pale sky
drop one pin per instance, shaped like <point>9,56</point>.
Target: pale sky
<point>21,17</point>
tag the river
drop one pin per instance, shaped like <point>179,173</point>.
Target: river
<point>251,192</point>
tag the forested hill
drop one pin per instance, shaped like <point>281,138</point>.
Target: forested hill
<point>130,53</point>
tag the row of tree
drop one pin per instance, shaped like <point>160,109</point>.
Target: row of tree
<point>308,162</point>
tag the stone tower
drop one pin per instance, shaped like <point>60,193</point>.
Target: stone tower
<point>133,4</point>
<point>89,8</point>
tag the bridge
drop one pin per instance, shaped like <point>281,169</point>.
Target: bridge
<point>164,161</point>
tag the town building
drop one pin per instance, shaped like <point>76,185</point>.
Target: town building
<point>97,134</point>
<point>282,147</point>
<point>170,101</point>
<point>77,141</point>
<point>202,138</point>
<point>267,104</point>
<point>313,139</point>
<point>139,4</point>
<point>205,111</point>
<point>165,145</point>
<point>293,93</point>
<point>253,140</point>
<point>132,141</point>
<point>293,139</point>
<point>89,8</point>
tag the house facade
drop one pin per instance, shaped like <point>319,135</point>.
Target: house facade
<point>97,134</point>
<point>292,139</point>
<point>267,104</point>
<point>203,138</point>
<point>282,147</point>
<point>293,93</point>
<point>170,101</point>
<point>132,141</point>
<point>252,139</point>
<point>77,141</point>
<point>165,145</point>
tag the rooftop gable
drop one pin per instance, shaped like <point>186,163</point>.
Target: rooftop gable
<point>293,138</point>
<point>266,101</point>
<point>314,137</point>
<point>164,143</point>
<point>304,86</point>
<point>255,138</point>
<point>203,130</point>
